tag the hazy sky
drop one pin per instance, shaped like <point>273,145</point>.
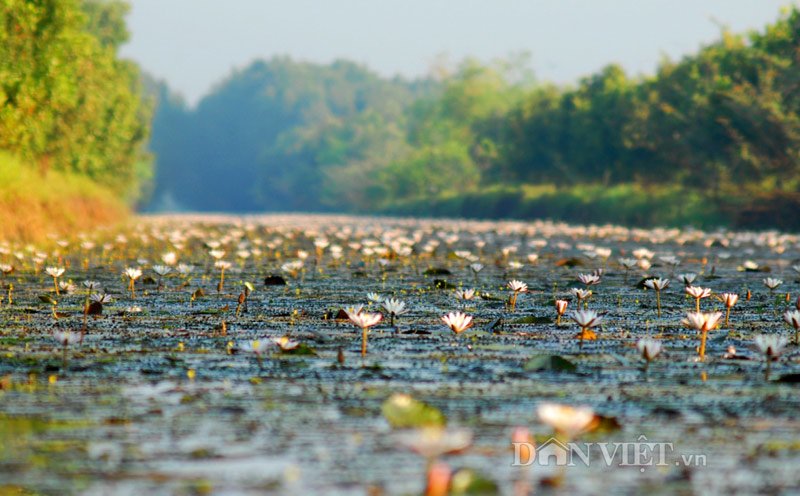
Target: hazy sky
<point>193,44</point>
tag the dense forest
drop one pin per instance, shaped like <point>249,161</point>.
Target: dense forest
<point>712,138</point>
<point>67,102</point>
<point>74,123</point>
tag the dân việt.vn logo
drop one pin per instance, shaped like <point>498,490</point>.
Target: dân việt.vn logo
<point>639,453</point>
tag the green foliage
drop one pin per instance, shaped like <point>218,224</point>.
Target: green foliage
<point>403,411</point>
<point>711,138</point>
<point>66,101</point>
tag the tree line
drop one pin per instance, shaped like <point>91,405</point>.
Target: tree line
<point>719,126</point>
<point>67,101</point>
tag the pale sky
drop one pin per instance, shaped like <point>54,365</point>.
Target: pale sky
<point>194,44</point>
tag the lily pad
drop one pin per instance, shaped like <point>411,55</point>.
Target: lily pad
<point>554,363</point>
<point>437,271</point>
<point>301,350</point>
<point>274,280</point>
<point>531,319</point>
<point>442,284</point>
<point>402,411</point>
<point>468,481</point>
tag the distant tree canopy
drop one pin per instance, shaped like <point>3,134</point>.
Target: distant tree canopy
<point>722,123</point>
<point>66,100</point>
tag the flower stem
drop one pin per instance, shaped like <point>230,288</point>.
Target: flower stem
<point>658,303</point>
<point>703,345</point>
<point>363,341</point>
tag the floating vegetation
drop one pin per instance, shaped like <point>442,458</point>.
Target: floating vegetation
<point>356,350</point>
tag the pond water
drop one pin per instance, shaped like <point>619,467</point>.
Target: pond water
<point>166,398</point>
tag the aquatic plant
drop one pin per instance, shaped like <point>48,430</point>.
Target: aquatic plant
<point>698,294</point>
<point>702,322</point>
<point>649,349</point>
<point>516,287</point>
<point>771,346</point>
<point>55,273</point>
<point>363,320</point>
<point>458,322</point>
<point>586,320</point>
<point>729,300</point>
<point>394,308</point>
<point>133,274</point>
<point>657,284</point>
<point>561,308</point>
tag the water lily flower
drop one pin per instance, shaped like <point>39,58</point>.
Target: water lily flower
<point>687,278</point>
<point>133,273</point>
<point>464,294</point>
<point>697,293</point>
<point>6,269</point>
<point>567,421</point>
<point>517,287</point>
<point>561,308</point>
<point>649,348</point>
<point>222,265</point>
<point>627,264</point>
<point>657,284</point>
<point>292,268</point>
<point>364,320</point>
<point>581,295</point>
<point>169,258</point>
<point>258,347</point>
<point>394,308</point>
<point>792,317</point>
<point>66,287</point>
<point>772,283</point>
<point>55,273</point>
<point>587,320</point>
<point>374,297</point>
<point>729,300</point>
<point>476,268</point>
<point>771,346</point>
<point>286,344</point>
<point>101,298</point>
<point>589,279</point>
<point>458,322</point>
<point>65,338</point>
<point>91,286</point>
<point>161,271</point>
<point>433,442</point>
<point>702,322</point>
<point>185,269</point>
<point>643,253</point>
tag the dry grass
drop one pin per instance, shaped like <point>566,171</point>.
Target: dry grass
<point>34,206</point>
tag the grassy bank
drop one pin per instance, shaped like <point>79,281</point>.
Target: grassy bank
<point>34,205</point>
<point>626,204</point>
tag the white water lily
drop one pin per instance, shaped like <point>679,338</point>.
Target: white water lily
<point>649,348</point>
<point>432,442</point>
<point>394,308</point>
<point>567,421</point>
<point>589,279</point>
<point>458,322</point>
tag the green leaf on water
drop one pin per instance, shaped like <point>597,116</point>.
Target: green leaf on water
<point>468,481</point>
<point>552,363</point>
<point>45,298</point>
<point>302,349</point>
<point>403,411</point>
<point>531,319</point>
<point>436,271</point>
